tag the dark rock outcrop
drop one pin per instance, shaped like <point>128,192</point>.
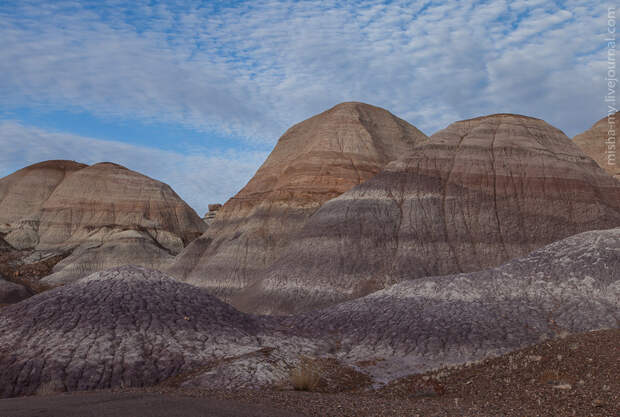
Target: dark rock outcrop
<point>479,193</point>
<point>314,161</point>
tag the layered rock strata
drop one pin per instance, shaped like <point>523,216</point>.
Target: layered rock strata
<point>570,286</point>
<point>210,215</point>
<point>132,326</point>
<point>601,143</point>
<point>314,161</point>
<point>105,214</point>
<point>22,195</point>
<point>479,193</point>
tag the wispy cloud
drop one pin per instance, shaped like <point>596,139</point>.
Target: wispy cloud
<point>199,176</point>
<point>254,68</point>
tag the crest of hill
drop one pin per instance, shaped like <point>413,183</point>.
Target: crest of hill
<point>313,162</point>
<point>23,193</point>
<point>110,195</point>
<point>479,193</point>
<point>601,143</point>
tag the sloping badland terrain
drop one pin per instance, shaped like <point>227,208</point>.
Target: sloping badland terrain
<point>474,274</point>
<point>133,327</point>
<point>314,161</point>
<point>479,193</point>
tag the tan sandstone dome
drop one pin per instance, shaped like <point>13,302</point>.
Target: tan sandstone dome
<point>23,193</point>
<point>314,161</point>
<point>105,215</point>
<point>479,193</point>
<point>108,196</point>
<point>596,143</point>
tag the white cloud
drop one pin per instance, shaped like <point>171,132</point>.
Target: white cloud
<point>255,68</point>
<point>198,177</point>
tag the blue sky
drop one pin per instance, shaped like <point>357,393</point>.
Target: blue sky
<point>196,93</point>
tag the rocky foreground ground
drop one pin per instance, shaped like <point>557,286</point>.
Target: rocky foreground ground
<point>571,376</point>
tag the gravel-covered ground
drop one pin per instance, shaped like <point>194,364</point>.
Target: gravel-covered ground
<point>573,376</point>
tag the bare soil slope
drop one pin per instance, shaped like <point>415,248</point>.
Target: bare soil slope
<point>570,286</point>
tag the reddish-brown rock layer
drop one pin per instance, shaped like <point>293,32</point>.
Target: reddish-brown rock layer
<point>314,161</point>
<point>481,192</point>
<point>600,143</point>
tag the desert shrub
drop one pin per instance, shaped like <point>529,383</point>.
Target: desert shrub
<point>305,377</point>
<point>49,388</point>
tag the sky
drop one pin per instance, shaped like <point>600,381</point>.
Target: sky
<point>196,94</point>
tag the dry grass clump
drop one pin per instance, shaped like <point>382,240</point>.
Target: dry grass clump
<point>327,375</point>
<point>554,377</point>
<point>305,377</point>
<point>49,388</point>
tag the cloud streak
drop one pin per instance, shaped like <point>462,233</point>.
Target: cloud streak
<point>254,68</point>
<point>199,176</point>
